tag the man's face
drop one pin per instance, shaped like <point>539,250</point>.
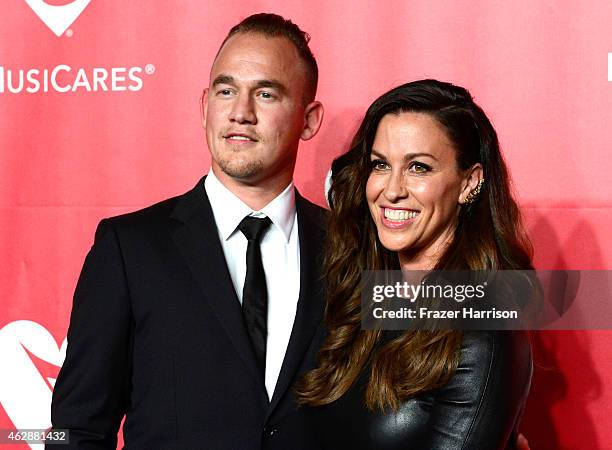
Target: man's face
<point>254,111</point>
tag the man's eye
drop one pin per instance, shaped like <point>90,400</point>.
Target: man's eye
<point>224,92</point>
<point>378,164</point>
<point>266,95</point>
<point>418,167</point>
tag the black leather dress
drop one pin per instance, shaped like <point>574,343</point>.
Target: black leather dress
<point>479,409</point>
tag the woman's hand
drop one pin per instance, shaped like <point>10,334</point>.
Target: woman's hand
<point>522,443</point>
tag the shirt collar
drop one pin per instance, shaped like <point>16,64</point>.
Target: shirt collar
<point>229,210</point>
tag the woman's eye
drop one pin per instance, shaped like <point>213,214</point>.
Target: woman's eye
<point>418,167</point>
<point>378,164</point>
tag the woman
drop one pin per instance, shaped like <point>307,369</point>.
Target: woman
<point>423,187</point>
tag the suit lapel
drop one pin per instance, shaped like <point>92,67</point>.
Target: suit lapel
<point>197,238</point>
<point>311,298</point>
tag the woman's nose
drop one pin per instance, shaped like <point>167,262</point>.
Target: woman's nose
<point>396,188</point>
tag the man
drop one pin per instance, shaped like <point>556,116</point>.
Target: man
<point>169,318</point>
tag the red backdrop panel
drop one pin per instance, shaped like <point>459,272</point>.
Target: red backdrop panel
<point>68,159</point>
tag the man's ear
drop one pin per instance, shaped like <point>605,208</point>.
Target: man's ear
<point>313,117</point>
<point>473,177</point>
<point>203,103</point>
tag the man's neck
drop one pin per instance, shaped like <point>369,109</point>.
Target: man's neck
<point>255,195</point>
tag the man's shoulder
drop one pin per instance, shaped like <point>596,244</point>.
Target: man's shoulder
<point>151,216</point>
<point>148,217</point>
<point>312,211</point>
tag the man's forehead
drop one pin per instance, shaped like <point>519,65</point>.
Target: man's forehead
<point>257,47</point>
<point>249,58</point>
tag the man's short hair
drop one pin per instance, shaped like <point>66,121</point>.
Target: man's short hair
<point>273,25</point>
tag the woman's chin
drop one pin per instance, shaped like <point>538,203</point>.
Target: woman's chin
<point>396,244</point>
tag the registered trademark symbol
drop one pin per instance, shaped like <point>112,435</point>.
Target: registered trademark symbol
<point>149,69</point>
<point>69,32</point>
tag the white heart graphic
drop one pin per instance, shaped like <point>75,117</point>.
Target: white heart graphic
<point>58,17</point>
<point>24,394</point>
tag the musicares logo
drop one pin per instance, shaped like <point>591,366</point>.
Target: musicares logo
<point>58,17</point>
<point>31,359</point>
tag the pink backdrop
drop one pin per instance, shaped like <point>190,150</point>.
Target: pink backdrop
<point>68,159</point>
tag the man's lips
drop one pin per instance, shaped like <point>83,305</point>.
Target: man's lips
<point>240,137</point>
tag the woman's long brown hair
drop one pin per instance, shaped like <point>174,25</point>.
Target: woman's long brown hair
<point>488,235</point>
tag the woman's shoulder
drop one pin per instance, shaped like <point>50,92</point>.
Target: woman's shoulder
<point>485,354</point>
<point>486,396</point>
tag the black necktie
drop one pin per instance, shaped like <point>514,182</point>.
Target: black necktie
<point>255,293</point>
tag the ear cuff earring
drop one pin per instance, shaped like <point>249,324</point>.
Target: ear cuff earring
<point>473,195</point>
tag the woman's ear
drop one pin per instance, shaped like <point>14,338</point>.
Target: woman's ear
<point>471,184</point>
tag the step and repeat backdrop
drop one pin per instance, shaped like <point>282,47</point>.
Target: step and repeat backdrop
<point>99,116</point>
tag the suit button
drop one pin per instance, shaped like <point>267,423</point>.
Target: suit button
<point>270,431</point>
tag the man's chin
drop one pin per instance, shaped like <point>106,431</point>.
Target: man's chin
<point>245,171</point>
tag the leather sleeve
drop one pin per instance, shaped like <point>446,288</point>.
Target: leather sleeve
<point>92,389</point>
<point>480,408</point>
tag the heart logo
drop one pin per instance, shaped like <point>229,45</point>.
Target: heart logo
<point>30,362</point>
<point>58,17</point>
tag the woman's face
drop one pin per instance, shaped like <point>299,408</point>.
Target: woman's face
<point>415,187</point>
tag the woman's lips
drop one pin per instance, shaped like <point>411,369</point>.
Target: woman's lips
<point>396,218</point>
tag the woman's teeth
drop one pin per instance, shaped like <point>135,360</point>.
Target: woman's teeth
<point>399,214</point>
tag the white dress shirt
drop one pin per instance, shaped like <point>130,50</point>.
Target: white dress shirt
<point>280,253</point>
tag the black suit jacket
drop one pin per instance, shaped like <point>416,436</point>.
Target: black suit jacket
<point>156,333</point>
